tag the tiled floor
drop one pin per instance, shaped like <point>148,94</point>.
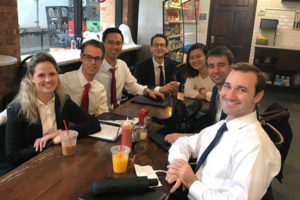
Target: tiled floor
<point>289,189</point>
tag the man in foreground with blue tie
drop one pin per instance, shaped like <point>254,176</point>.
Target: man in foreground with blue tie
<point>235,157</point>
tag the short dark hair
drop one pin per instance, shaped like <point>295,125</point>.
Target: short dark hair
<point>111,30</point>
<point>247,67</point>
<point>221,51</point>
<point>191,72</point>
<point>161,36</point>
<point>94,43</point>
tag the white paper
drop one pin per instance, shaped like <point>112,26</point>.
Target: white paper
<point>147,171</point>
<point>108,132</point>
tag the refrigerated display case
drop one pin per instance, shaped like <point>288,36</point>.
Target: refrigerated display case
<point>180,26</point>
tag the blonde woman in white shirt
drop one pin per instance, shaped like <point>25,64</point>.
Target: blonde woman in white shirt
<point>198,83</point>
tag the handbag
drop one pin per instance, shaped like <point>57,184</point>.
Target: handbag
<point>275,121</point>
<point>268,119</point>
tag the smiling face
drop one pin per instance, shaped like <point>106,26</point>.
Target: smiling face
<point>238,94</point>
<point>45,79</point>
<point>197,59</point>
<point>159,48</point>
<point>91,60</point>
<point>113,46</point>
<point>218,69</point>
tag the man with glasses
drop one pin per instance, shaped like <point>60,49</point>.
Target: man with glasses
<point>158,72</point>
<point>81,84</point>
<point>114,73</point>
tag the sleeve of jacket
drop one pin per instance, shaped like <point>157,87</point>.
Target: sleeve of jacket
<point>17,150</point>
<point>85,124</point>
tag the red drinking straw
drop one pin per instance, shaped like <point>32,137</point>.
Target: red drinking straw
<point>66,127</point>
<point>174,77</point>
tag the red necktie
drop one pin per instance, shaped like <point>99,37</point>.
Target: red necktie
<point>85,98</point>
<point>113,90</point>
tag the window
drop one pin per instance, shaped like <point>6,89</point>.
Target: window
<point>51,25</point>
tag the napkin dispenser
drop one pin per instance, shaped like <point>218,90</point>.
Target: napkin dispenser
<point>122,185</point>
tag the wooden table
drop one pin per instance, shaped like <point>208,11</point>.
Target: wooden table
<point>50,175</point>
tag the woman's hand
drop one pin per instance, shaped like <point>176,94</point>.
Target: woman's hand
<point>40,143</point>
<point>171,138</point>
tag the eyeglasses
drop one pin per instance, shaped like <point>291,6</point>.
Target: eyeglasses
<point>110,42</point>
<point>156,45</point>
<point>89,58</point>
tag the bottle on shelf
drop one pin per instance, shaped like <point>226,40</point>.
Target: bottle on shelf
<point>288,81</point>
<point>283,81</point>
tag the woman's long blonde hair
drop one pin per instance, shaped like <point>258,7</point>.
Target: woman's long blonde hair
<point>27,97</point>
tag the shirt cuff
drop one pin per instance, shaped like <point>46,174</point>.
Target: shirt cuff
<point>208,96</point>
<point>197,189</point>
<point>157,88</point>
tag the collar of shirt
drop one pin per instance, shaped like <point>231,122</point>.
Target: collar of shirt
<point>241,122</point>
<point>50,103</point>
<point>106,66</point>
<point>157,65</point>
<point>82,79</point>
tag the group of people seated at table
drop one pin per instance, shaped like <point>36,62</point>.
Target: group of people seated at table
<point>235,157</point>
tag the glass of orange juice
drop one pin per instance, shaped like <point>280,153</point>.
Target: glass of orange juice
<point>120,158</point>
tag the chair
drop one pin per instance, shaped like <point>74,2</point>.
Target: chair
<point>275,122</point>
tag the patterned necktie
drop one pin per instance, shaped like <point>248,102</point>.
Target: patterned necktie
<point>210,147</point>
<point>113,90</point>
<point>85,98</point>
<point>161,77</point>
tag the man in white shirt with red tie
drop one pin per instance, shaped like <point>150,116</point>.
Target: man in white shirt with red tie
<point>235,157</point>
<point>114,73</point>
<point>81,85</point>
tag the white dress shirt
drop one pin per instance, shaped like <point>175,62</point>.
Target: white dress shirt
<point>74,84</point>
<point>47,116</point>
<point>240,166</point>
<point>124,78</point>
<point>193,84</point>
<point>157,73</point>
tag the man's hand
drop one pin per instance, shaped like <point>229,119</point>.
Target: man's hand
<point>171,138</point>
<point>153,94</point>
<point>170,178</point>
<point>169,88</point>
<point>181,169</point>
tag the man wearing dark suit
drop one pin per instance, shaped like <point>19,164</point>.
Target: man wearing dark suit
<point>219,60</point>
<point>157,72</point>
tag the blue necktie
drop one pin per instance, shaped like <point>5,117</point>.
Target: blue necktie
<point>210,147</point>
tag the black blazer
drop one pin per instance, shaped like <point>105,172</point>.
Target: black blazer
<point>212,111</point>
<point>20,135</point>
<point>144,72</point>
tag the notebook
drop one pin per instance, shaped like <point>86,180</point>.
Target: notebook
<point>109,132</point>
<point>148,101</point>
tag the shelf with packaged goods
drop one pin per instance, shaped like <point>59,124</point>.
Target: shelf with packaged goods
<point>176,48</point>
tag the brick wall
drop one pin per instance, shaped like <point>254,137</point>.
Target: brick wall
<point>9,45</point>
<point>107,14</point>
<point>130,16</point>
<point>285,13</point>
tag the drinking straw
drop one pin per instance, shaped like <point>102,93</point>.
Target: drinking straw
<point>175,77</point>
<point>66,127</point>
<point>121,142</point>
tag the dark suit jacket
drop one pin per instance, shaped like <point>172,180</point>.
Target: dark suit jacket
<point>144,72</point>
<point>213,108</point>
<point>20,134</point>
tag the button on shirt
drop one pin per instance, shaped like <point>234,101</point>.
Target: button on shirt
<point>124,78</point>
<point>157,73</point>
<point>47,116</point>
<point>240,166</point>
<point>74,84</point>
